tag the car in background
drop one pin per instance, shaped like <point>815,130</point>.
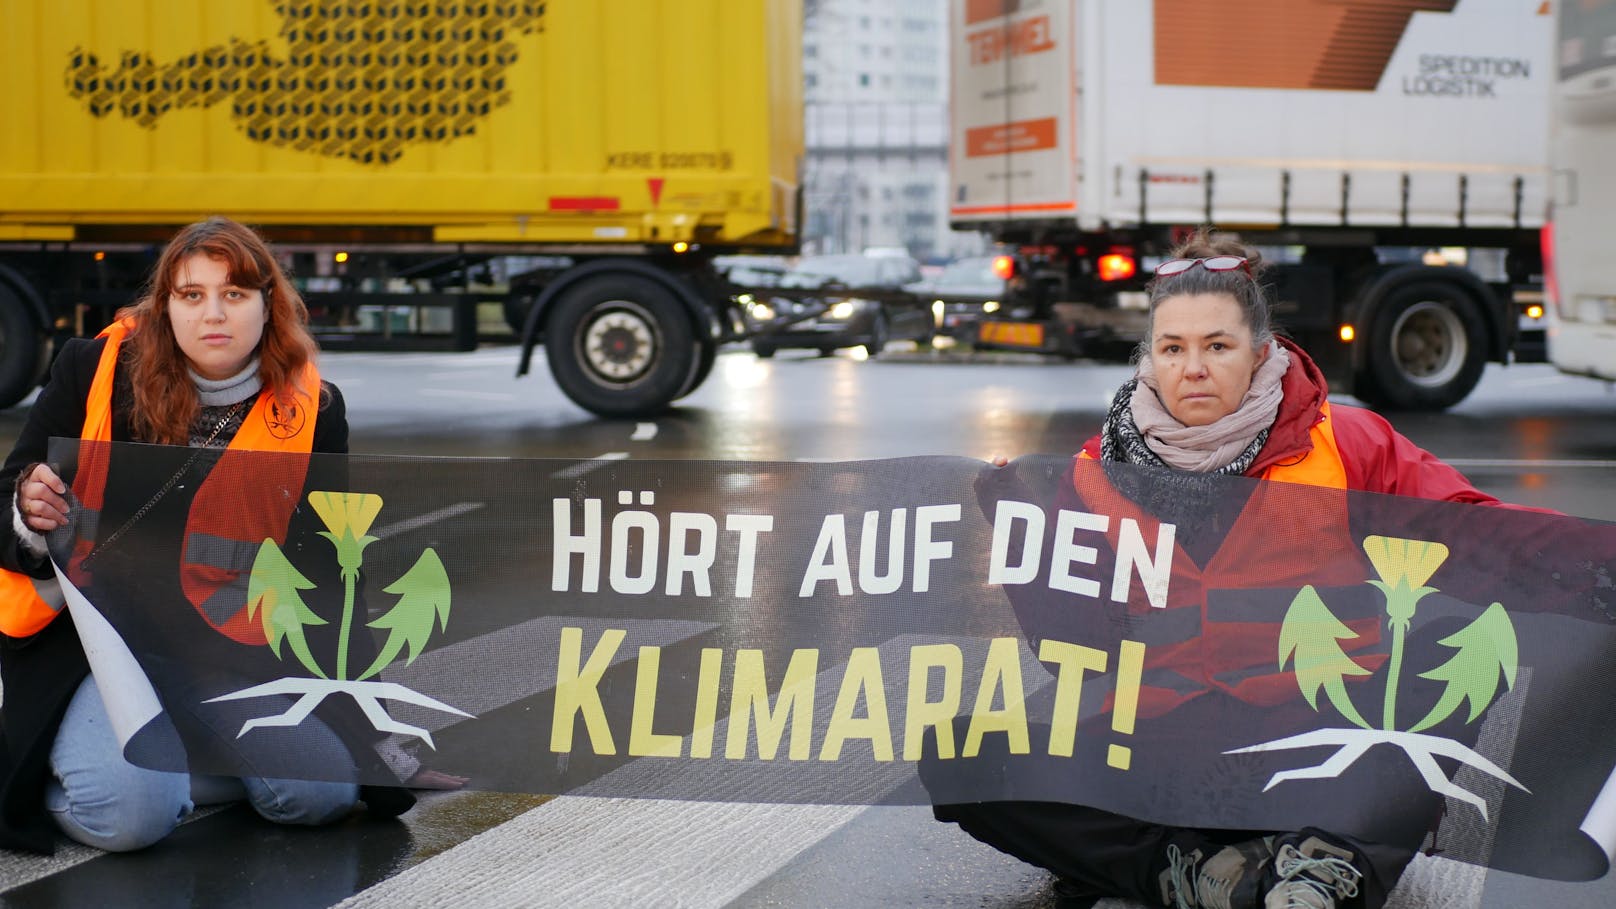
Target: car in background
<point>751,272</point>
<point>826,303</point>
<point>960,296</point>
<point>897,252</point>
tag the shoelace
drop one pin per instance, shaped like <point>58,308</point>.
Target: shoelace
<point>1330,878</point>
<point>1214,893</point>
<point>1180,872</point>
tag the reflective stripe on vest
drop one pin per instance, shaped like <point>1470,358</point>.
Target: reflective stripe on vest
<point>224,509</point>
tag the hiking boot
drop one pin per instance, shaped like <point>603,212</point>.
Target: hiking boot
<point>1178,878</point>
<point>1312,872</point>
<point>1231,879</point>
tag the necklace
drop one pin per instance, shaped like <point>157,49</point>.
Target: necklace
<point>224,421</point>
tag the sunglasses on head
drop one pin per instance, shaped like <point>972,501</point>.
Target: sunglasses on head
<point>1210,263</point>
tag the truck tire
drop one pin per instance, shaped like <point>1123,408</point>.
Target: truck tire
<point>1427,348</point>
<point>22,349</point>
<point>620,345</point>
<point>706,356</point>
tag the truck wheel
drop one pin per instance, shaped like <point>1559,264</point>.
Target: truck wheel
<point>706,356</point>
<point>22,350</point>
<point>1366,390</point>
<point>1427,348</point>
<point>620,345</point>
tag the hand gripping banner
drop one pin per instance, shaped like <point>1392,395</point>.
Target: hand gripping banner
<point>1191,650</point>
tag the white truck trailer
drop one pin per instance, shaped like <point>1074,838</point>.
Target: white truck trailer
<point>1581,278</point>
<point>1388,155</point>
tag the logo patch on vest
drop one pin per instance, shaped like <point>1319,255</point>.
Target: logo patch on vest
<point>283,420</point>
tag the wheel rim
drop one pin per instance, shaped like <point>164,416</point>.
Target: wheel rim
<point>619,343</point>
<point>1429,344</point>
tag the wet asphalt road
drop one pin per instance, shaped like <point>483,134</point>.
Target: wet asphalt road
<point>1527,435</point>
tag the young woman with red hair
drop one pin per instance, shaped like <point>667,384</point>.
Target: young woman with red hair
<point>216,355</point>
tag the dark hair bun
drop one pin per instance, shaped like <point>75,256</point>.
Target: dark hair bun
<point>1206,243</point>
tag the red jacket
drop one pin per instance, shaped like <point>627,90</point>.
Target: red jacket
<point>1220,628</point>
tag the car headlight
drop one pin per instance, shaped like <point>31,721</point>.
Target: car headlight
<point>844,309</point>
<point>762,312</point>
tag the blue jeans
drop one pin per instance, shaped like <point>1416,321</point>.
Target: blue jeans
<point>99,799</point>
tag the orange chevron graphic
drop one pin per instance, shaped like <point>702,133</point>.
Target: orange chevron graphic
<point>1342,45</point>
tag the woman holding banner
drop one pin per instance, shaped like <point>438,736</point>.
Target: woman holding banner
<point>216,356</point>
<point>1216,393</point>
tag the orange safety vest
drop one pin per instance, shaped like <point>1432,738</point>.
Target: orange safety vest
<point>237,502</point>
<point>1208,654</point>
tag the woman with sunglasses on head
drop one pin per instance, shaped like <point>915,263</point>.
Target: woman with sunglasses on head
<point>1217,393</point>
<point>217,356</point>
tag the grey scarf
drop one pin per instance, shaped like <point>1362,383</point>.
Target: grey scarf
<point>1194,500</point>
<point>233,390</point>
<point>1203,449</point>
<point>224,405</point>
<point>1140,431</point>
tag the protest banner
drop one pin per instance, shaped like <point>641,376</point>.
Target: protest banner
<point>1221,652</point>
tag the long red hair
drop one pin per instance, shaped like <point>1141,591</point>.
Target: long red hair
<point>165,398</point>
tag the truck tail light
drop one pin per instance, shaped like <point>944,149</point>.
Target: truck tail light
<point>1004,267</point>
<point>1551,282</point>
<point>1117,267</point>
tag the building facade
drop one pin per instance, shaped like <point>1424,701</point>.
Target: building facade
<point>876,126</point>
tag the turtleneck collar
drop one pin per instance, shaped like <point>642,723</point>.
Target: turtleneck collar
<point>235,389</point>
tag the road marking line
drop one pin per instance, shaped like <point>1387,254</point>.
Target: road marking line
<point>575,848</point>
<point>482,357</point>
<point>643,432</point>
<point>519,661</point>
<point>474,371</point>
<point>431,517</point>
<point>475,395</point>
<point>594,851</point>
<point>583,467</point>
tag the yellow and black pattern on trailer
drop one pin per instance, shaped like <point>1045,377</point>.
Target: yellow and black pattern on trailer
<point>562,122</point>
<point>360,80</point>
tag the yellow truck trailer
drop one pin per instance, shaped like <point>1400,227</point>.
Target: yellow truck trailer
<point>392,148</point>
